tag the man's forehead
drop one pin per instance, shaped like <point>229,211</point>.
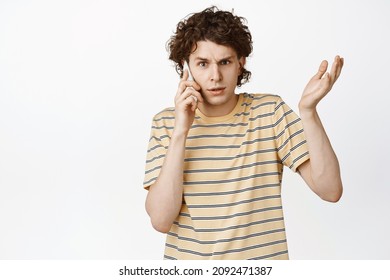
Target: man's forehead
<point>207,50</point>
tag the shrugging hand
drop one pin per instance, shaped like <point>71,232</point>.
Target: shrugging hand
<point>320,84</point>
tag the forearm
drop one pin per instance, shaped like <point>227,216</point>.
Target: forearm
<point>324,165</point>
<point>164,199</point>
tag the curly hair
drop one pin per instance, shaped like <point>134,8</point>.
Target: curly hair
<point>220,27</point>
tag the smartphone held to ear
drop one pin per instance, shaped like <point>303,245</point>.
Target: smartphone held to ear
<point>190,78</point>
<point>186,67</point>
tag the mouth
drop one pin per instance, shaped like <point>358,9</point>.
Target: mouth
<point>216,90</point>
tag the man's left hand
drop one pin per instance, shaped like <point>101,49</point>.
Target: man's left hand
<point>320,84</point>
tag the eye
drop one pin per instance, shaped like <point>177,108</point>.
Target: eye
<point>225,62</point>
<point>202,64</point>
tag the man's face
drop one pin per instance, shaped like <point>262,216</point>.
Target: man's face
<point>216,69</point>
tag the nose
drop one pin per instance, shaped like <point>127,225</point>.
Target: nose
<point>215,73</point>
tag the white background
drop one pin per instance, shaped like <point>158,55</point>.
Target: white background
<point>81,80</point>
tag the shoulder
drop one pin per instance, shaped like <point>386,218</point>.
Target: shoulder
<point>267,97</point>
<point>165,115</point>
<point>263,100</point>
<point>167,112</point>
<point>260,98</point>
<point>163,123</point>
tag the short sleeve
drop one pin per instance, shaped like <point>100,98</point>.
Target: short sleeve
<point>157,148</point>
<point>289,136</point>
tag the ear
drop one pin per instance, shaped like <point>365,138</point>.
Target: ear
<point>242,61</point>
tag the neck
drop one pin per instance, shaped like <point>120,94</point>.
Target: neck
<point>218,109</point>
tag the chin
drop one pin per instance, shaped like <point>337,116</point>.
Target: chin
<point>216,100</point>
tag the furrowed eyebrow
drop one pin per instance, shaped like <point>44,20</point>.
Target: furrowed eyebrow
<point>226,58</point>
<point>206,60</point>
<point>201,59</point>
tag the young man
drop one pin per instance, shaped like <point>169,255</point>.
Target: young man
<point>215,161</point>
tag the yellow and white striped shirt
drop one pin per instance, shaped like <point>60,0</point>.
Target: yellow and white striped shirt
<point>233,167</point>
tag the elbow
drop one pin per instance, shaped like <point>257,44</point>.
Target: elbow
<point>332,199</point>
<point>334,196</point>
<point>161,226</point>
<point>162,215</point>
<point>159,222</point>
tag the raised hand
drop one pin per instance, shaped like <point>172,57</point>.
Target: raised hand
<point>320,84</point>
<point>186,102</point>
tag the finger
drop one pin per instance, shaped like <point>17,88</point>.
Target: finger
<point>197,95</point>
<point>183,85</point>
<point>326,80</point>
<point>180,90</point>
<point>185,94</point>
<point>193,84</point>
<point>185,75</point>
<point>190,91</point>
<point>340,67</point>
<point>194,97</point>
<point>321,69</point>
<point>194,103</point>
<point>333,71</point>
<point>189,101</point>
<point>324,86</point>
<point>336,69</point>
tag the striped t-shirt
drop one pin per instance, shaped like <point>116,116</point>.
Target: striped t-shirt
<point>233,167</point>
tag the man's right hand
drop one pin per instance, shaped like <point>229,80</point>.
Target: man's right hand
<point>165,196</point>
<point>186,102</point>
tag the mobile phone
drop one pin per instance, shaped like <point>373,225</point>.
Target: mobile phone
<point>190,78</point>
<point>186,67</point>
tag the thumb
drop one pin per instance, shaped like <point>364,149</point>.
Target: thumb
<point>322,69</point>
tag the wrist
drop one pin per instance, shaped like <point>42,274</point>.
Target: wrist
<point>307,106</point>
<point>179,133</point>
<point>307,113</point>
